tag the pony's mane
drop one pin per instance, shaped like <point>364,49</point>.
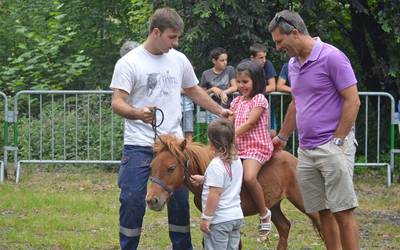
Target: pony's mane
<point>197,154</point>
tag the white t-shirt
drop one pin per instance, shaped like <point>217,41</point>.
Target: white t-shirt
<point>229,203</point>
<point>153,80</point>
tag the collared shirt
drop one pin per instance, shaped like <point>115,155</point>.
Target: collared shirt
<point>316,87</point>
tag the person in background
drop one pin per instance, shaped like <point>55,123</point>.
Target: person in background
<point>219,81</point>
<point>251,115</point>
<point>187,116</point>
<point>148,77</point>
<point>258,53</point>
<point>324,107</point>
<point>283,84</point>
<point>128,46</point>
<point>222,214</point>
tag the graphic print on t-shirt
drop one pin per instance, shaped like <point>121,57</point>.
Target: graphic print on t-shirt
<point>221,81</point>
<point>151,83</point>
<point>160,83</point>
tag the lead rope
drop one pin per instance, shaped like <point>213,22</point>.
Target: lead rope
<point>154,124</point>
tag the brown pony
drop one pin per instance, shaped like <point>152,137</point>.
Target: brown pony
<point>175,161</point>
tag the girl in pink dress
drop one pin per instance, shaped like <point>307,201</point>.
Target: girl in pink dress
<point>251,112</point>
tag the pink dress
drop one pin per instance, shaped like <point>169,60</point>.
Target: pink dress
<point>255,143</point>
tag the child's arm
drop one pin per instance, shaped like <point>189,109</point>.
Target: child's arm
<point>211,206</point>
<point>254,116</point>
<point>232,88</point>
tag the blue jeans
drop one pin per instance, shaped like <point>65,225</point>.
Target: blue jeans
<point>133,176</point>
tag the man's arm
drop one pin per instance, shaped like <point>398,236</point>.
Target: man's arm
<point>199,96</point>
<point>281,85</point>
<point>288,127</point>
<point>271,85</point>
<point>121,107</point>
<point>351,105</point>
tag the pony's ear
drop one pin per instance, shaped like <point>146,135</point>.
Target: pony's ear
<point>183,144</point>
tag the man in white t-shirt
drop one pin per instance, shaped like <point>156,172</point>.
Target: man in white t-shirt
<point>152,75</point>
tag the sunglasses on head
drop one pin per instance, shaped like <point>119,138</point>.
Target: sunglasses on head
<point>279,19</point>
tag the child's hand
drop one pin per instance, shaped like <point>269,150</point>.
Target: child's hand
<point>197,180</point>
<point>224,97</point>
<point>205,226</point>
<point>216,91</point>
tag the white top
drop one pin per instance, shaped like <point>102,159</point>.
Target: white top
<point>229,203</point>
<point>153,80</point>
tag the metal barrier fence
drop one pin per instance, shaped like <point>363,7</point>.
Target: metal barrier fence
<point>374,129</point>
<point>78,127</point>
<point>4,135</point>
<point>58,127</point>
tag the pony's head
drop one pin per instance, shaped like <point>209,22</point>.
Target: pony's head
<point>167,170</point>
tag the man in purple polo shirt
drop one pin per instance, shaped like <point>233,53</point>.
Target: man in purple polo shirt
<point>324,108</point>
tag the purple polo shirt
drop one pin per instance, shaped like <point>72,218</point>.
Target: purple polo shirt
<point>316,87</point>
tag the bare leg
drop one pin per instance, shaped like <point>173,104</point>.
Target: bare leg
<point>348,227</point>
<point>251,169</point>
<point>330,230</point>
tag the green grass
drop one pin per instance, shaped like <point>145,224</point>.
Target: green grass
<point>77,208</point>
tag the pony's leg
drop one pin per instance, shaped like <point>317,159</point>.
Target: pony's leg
<point>295,197</point>
<point>282,225</point>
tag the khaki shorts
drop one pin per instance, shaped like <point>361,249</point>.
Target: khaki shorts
<point>325,176</point>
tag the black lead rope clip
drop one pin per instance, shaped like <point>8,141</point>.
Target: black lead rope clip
<point>154,124</point>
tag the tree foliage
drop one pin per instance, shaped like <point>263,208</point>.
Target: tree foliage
<point>42,56</point>
<point>366,30</point>
<point>74,44</point>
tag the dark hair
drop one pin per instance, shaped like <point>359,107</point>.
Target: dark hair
<point>221,133</point>
<point>256,48</point>
<point>256,72</point>
<point>215,53</point>
<point>166,18</point>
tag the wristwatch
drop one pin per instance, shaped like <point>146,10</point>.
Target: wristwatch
<point>338,141</point>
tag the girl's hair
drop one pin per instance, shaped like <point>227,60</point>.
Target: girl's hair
<point>221,134</point>
<point>256,72</point>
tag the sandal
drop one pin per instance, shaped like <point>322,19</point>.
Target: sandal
<point>265,227</point>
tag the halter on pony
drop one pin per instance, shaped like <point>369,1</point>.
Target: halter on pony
<point>185,164</point>
<point>165,187</point>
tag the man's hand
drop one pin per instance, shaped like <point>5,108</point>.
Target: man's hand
<point>226,113</point>
<point>147,114</point>
<point>279,144</point>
